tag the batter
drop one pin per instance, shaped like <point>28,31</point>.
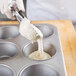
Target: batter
<point>32,33</point>
<point>39,54</point>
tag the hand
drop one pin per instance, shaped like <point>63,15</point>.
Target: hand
<point>4,4</point>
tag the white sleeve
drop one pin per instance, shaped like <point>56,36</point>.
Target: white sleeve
<point>5,10</point>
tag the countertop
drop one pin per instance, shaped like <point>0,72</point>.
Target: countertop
<point>68,41</point>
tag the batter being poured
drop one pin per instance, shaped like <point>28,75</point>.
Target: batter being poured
<point>39,54</point>
<point>32,33</point>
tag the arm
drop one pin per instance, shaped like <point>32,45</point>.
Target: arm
<point>5,10</point>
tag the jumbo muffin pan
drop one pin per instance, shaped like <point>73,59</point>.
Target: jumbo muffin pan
<point>15,49</point>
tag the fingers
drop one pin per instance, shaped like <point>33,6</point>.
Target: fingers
<point>9,15</point>
<point>20,6</point>
<point>8,12</point>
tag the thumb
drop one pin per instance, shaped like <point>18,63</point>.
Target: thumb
<point>20,5</point>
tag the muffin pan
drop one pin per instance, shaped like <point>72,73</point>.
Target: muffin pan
<point>28,49</point>
<point>39,70</point>
<point>7,50</point>
<point>14,51</point>
<point>5,70</point>
<point>8,32</point>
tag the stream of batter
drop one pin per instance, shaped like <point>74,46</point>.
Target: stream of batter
<point>32,33</point>
<point>39,54</point>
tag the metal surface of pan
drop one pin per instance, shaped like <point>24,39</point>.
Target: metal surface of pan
<point>22,65</point>
<point>7,50</point>
<point>7,32</point>
<point>5,70</point>
<point>39,70</point>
